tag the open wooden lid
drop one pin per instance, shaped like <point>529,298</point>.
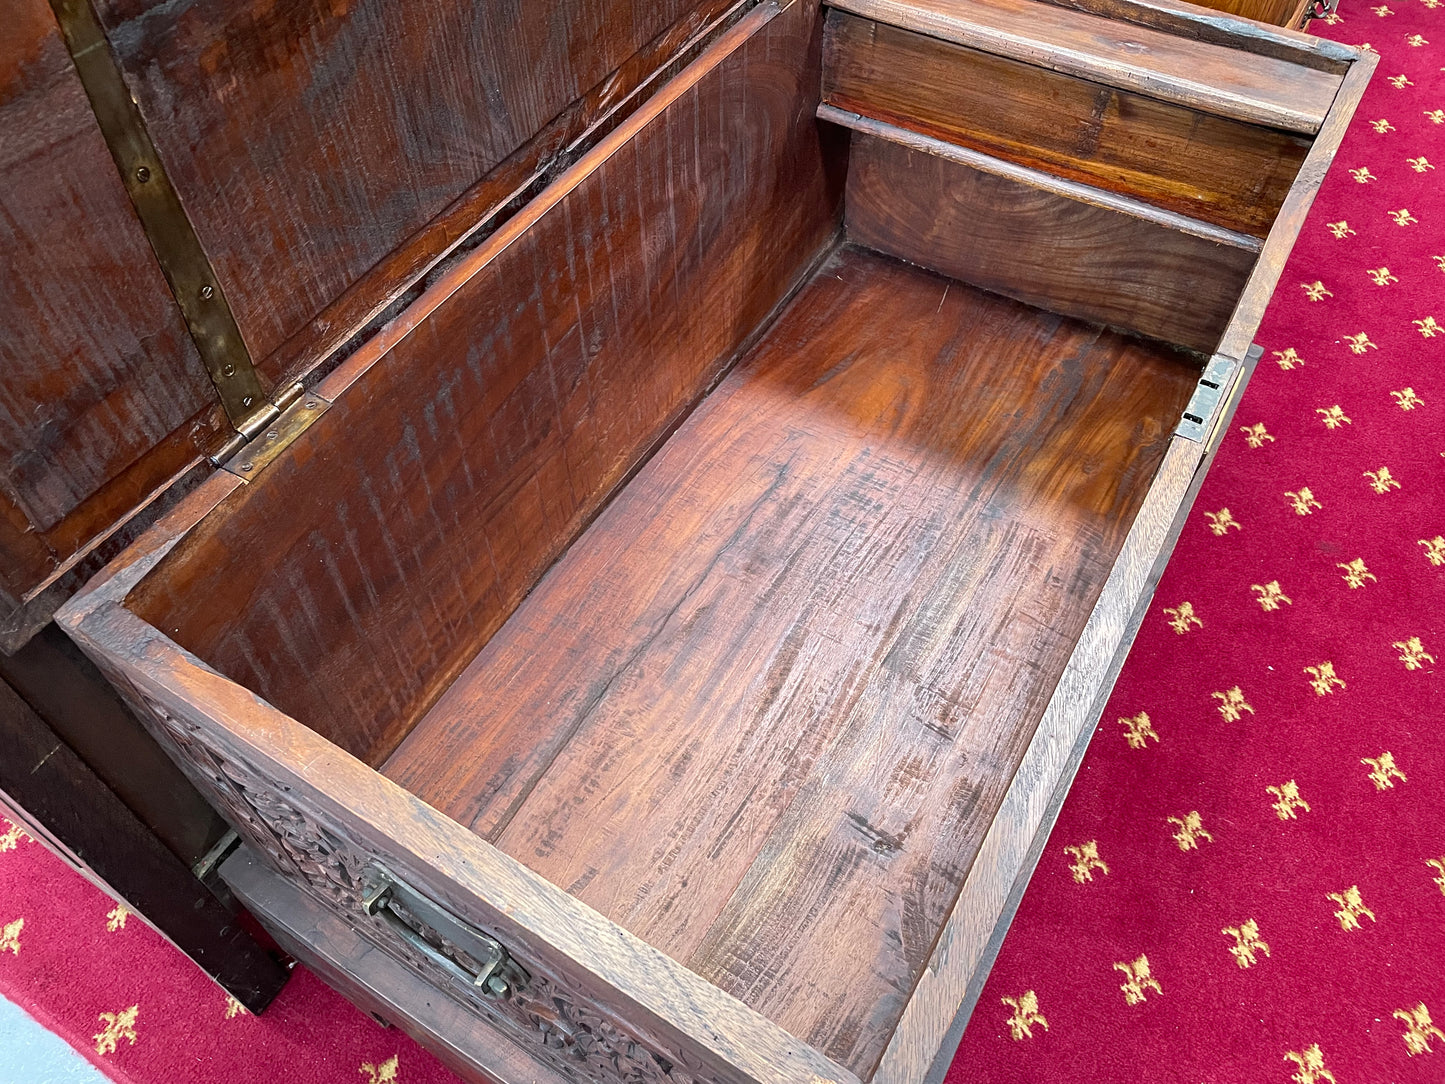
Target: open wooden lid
<point>299,168</point>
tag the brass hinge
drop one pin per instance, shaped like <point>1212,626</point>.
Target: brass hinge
<point>248,458</point>
<point>178,250</point>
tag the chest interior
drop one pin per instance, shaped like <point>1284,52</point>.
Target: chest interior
<point>712,538</point>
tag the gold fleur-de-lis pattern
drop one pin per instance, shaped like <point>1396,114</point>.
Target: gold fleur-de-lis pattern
<point>1181,617</point>
<point>1223,521</point>
<point>1302,500</point>
<point>1256,435</point>
<point>1138,730</point>
<point>1412,653</point>
<point>1189,830</point>
<point>1311,1068</point>
<point>1355,573</point>
<point>1138,981</point>
<point>1270,596</point>
<point>1247,943</point>
<point>1086,861</point>
<point>1351,908</point>
<point>1323,678</point>
<point>1420,1030</point>
<point>1382,481</point>
<point>1288,358</point>
<point>10,936</point>
<point>1407,399</point>
<point>382,1073</point>
<point>1383,770</point>
<point>116,1028</point>
<point>1438,865</point>
<point>11,835</point>
<point>1287,800</point>
<point>1232,704</point>
<point>1024,1015</point>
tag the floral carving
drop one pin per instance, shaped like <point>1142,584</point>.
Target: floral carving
<point>553,1024</point>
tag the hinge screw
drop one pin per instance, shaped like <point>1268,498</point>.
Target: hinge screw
<point>207,292</point>
<point>247,400</point>
<point>228,369</point>
<point>247,466</point>
<point>142,174</point>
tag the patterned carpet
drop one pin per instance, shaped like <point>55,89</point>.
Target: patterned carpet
<point>1247,883</point>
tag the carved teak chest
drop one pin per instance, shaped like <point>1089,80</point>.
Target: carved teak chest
<point>707,485</point>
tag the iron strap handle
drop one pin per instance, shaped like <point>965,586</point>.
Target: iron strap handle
<point>466,954</point>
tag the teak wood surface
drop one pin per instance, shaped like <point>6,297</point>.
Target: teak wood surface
<point>1218,170</point>
<point>761,713</point>
<point>1021,234</point>
<point>1211,78</point>
<point>817,645</point>
<point>1201,23</point>
<point>372,980</point>
<point>468,484</point>
<point>103,399</point>
<point>311,140</point>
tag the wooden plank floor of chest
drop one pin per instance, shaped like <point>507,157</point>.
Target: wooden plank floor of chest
<point>660,652</point>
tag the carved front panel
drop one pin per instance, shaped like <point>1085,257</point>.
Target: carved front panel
<point>546,1016</point>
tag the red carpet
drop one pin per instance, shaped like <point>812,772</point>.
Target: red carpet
<point>1247,883</point>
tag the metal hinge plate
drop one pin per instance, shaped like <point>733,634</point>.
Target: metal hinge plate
<point>254,457</point>
<point>1216,380</point>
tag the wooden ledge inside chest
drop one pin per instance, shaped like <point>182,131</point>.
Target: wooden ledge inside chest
<point>688,550</point>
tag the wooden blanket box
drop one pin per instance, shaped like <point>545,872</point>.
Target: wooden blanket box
<point>659,651</point>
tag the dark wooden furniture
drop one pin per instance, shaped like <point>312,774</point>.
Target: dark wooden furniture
<point>62,802</point>
<point>658,652</point>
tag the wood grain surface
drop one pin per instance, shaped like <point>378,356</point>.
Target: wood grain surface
<point>610,972</point>
<point>310,139</point>
<point>761,713</point>
<point>922,1047</point>
<point>1037,240</point>
<point>1211,78</point>
<point>1202,23</point>
<point>472,440</point>
<point>1221,171</point>
<point>102,395</point>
